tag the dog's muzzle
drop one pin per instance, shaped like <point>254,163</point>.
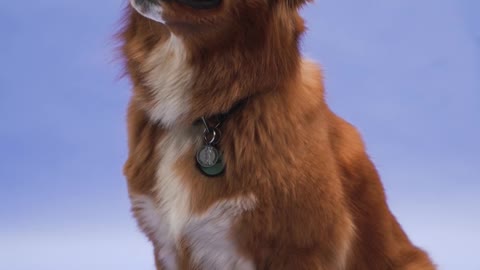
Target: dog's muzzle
<point>200,4</point>
<point>196,4</point>
<point>152,9</point>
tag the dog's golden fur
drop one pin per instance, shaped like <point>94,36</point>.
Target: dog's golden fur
<point>319,202</point>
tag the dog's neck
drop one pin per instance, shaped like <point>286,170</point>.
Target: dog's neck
<point>225,72</point>
<point>257,62</point>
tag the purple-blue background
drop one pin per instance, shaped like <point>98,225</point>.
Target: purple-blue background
<point>405,72</point>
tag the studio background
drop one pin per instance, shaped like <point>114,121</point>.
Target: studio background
<point>406,73</point>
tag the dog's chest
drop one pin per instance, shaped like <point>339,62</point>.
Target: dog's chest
<point>169,219</point>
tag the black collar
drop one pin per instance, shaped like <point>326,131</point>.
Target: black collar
<point>217,120</point>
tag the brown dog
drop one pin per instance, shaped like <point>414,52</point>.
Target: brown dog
<point>235,161</point>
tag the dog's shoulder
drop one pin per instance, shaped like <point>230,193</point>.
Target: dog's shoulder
<point>346,141</point>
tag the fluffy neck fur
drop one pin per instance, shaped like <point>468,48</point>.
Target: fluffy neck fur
<point>257,56</point>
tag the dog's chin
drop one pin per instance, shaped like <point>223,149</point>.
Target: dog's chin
<point>152,11</point>
<point>200,4</point>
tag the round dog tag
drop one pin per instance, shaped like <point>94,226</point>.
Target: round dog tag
<point>215,170</point>
<point>207,156</point>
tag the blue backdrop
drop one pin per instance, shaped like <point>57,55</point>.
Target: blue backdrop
<point>405,72</point>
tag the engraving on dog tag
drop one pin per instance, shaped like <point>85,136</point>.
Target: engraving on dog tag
<point>207,156</point>
<point>215,170</point>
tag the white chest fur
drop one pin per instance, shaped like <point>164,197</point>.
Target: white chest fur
<point>169,77</point>
<point>169,217</point>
